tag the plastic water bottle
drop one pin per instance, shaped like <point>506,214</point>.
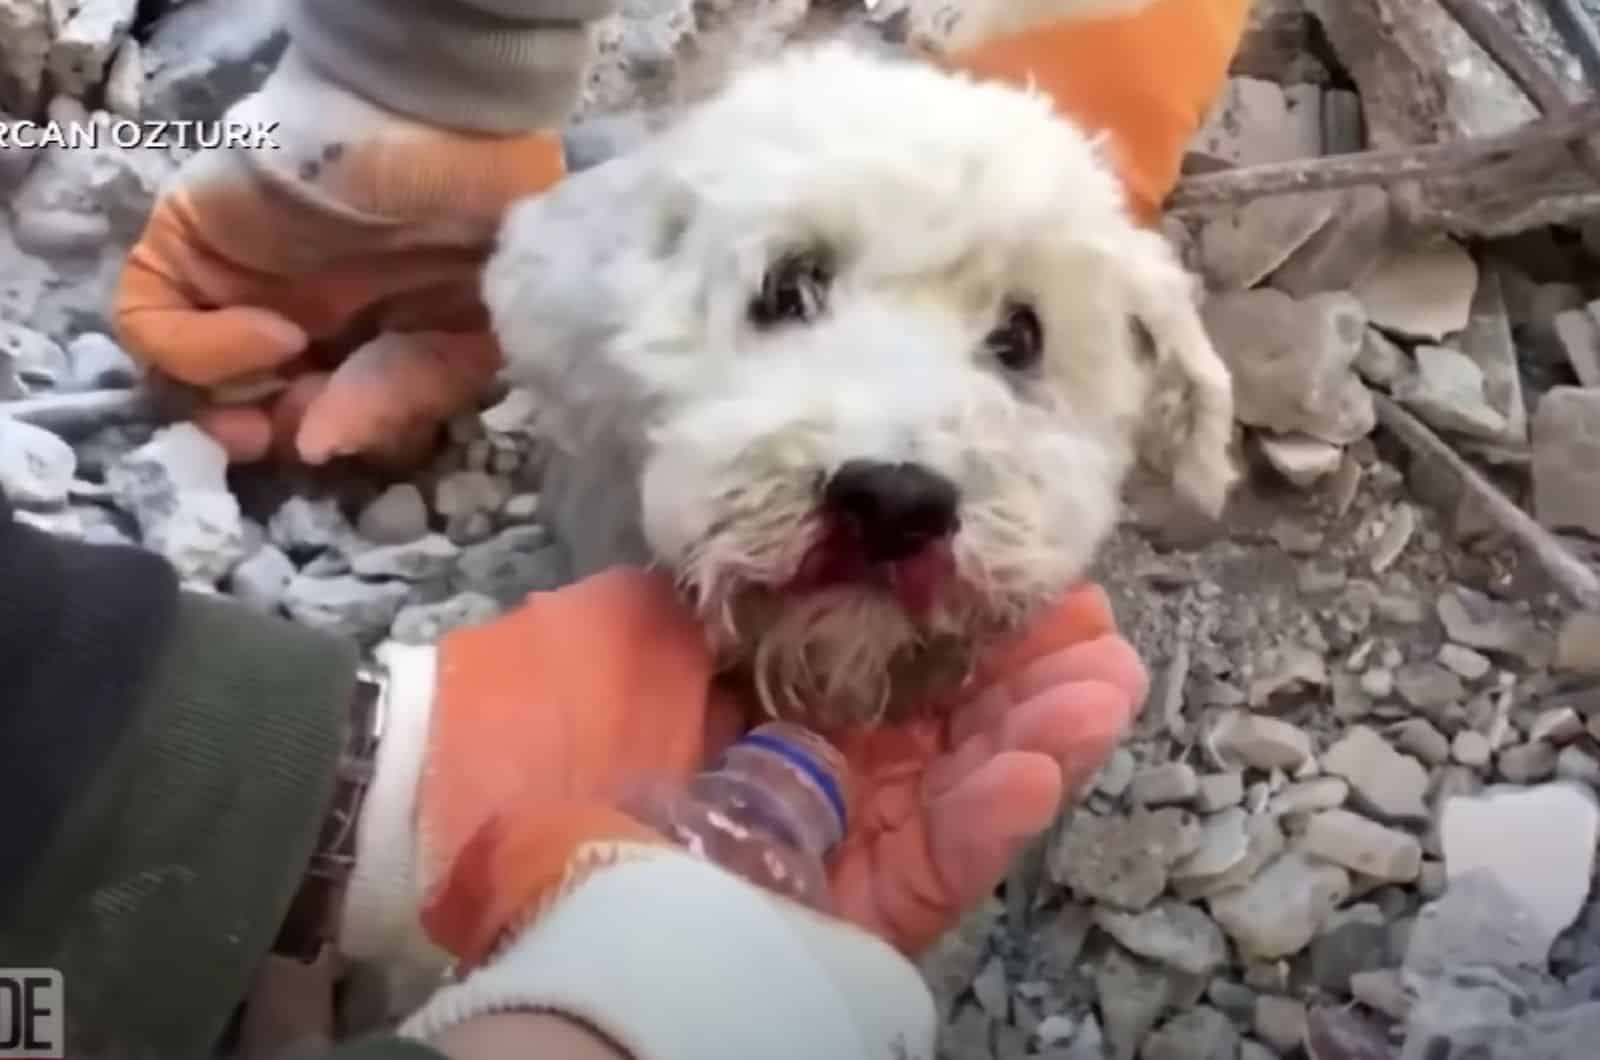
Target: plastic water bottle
<point>770,810</point>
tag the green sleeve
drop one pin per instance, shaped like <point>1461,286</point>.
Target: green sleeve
<point>167,878</point>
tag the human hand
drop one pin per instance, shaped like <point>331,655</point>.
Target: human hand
<point>261,269</point>
<point>946,803</point>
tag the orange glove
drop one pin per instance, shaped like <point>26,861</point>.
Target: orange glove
<point>361,229</point>
<point>1147,78</point>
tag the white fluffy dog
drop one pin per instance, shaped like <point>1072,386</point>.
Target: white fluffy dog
<point>871,348</point>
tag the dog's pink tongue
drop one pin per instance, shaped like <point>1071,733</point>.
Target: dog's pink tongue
<point>917,580</point>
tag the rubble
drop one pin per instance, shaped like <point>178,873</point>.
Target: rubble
<point>1277,913</point>
<point>1389,784</point>
<point>1420,292</point>
<point>1566,459</point>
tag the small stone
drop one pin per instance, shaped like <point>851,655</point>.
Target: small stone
<point>1200,1033</point>
<point>1132,995</point>
<point>97,362</point>
<point>1463,662</point>
<point>426,623</point>
<point>1163,785</point>
<point>992,991</point>
<point>1558,725</point>
<point>1566,459</point>
<point>1170,933</point>
<point>1239,248</point>
<point>1235,999</point>
<point>1577,331</point>
<point>1222,844</point>
<point>1427,686</point>
<point>425,558</point>
<point>1378,683</point>
<point>1392,541</point>
<point>1527,763</point>
<point>1363,846</point>
<point>1383,781</point>
<point>1417,737</point>
<point>262,579</point>
<point>1054,1030</point>
<point>397,516</point>
<point>1578,644</point>
<point>515,562</point>
<point>1301,459</point>
<point>463,493</point>
<point>1421,292</point>
<point>1573,763</point>
<point>37,359</point>
<point>1340,255</point>
<point>521,508</point>
<point>36,467</point>
<point>1123,861</point>
<point>1218,791</point>
<point>1277,913</point>
<point>1448,392</point>
<point>1382,990</point>
<point>1280,1022</point>
<point>176,487</point>
<point>1381,362</point>
<point>1538,845</point>
<point>1264,743</point>
<point>301,525</point>
<point>1353,940</point>
<point>1117,774</point>
<point>346,605</point>
<point>1310,796</point>
<point>1471,749</point>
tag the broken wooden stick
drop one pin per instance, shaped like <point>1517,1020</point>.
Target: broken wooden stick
<point>1525,69</point>
<point>1233,186</point>
<point>1571,575</point>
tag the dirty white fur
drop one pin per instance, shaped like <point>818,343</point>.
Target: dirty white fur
<point>622,301</point>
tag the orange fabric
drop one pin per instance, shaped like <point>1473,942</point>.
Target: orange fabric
<point>1147,79</point>
<point>545,718</point>
<point>235,275</point>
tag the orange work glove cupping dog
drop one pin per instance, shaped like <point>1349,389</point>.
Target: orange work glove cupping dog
<point>365,227</point>
<point>494,819</point>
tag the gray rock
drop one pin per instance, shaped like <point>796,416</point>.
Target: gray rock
<point>1280,1022</point>
<point>992,991</point>
<point>1427,686</point>
<point>1344,252</point>
<point>1261,742</point>
<point>1292,361</point>
<point>1448,392</point>
<point>1566,459</point>
<point>1476,922</point>
<point>176,488</point>
<point>262,579</point>
<point>1257,121</point>
<point>1574,763</point>
<point>1487,341</point>
<point>1463,662</point>
<point>1170,933</point>
<point>1132,995</point>
<point>1479,621</point>
<point>1173,782</point>
<point>81,54</point>
<point>952,963</point>
<point>1578,644</point>
<point>1381,362</point>
<point>124,87</point>
<point>1218,791</point>
<point>36,467</point>
<point>397,516</point>
<point>1418,738</point>
<point>37,359</point>
<point>1353,941</point>
<point>1278,913</point>
<point>1382,990</point>
<point>98,362</point>
<point>1310,796</point>
<point>1200,1033</point>
<point>1240,248</point>
<point>345,605</point>
<point>1383,781</point>
<point>1363,846</point>
<point>1301,459</point>
<point>1233,847</point>
<point>1527,763</point>
<point>1117,773</point>
<point>1250,1049</point>
<point>425,558</point>
<point>465,493</point>
<point>426,623</point>
<point>302,525</point>
<point>507,567</point>
<point>1123,861</point>
<point>1578,333</point>
<point>1344,1034</point>
<point>1421,292</point>
<point>24,49</point>
<point>208,54</point>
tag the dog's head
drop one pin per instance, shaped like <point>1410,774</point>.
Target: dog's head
<point>881,344</point>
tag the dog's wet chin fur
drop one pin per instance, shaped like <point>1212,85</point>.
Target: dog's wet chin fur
<point>844,258</point>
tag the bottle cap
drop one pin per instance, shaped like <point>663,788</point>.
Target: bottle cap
<point>813,756</point>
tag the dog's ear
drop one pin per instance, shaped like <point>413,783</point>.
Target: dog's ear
<point>1186,429</point>
<point>563,289</point>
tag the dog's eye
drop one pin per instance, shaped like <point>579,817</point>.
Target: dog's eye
<point>792,290</point>
<point>1018,343</point>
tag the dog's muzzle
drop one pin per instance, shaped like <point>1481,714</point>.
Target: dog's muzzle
<point>887,524</point>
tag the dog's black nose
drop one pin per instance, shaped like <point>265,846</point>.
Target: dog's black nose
<point>898,508</point>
